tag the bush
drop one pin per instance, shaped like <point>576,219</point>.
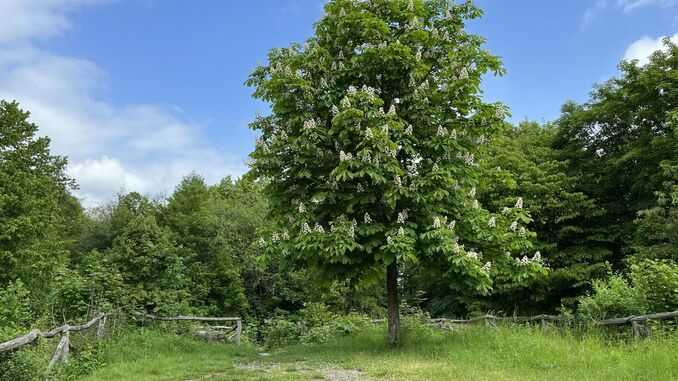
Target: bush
<point>315,323</point>
<point>613,297</point>
<point>280,331</point>
<point>653,287</point>
<point>657,284</point>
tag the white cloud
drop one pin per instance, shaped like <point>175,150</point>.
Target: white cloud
<point>626,6</point>
<point>25,19</point>
<point>135,147</point>
<point>642,49</point>
<point>629,5</point>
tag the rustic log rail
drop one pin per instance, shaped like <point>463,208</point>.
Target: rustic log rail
<point>63,348</point>
<point>231,332</point>
<point>639,330</point>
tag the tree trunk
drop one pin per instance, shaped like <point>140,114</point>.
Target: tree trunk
<point>393,305</point>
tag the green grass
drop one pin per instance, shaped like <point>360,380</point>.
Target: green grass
<point>509,353</point>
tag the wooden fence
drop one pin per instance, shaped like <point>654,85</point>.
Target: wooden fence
<point>63,348</point>
<point>637,322</point>
<point>211,332</point>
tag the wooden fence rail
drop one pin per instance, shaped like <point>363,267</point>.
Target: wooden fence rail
<point>63,348</point>
<point>232,332</point>
<point>636,321</point>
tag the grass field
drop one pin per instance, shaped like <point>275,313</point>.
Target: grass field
<point>481,353</point>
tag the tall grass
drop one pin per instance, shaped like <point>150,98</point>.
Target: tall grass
<point>473,353</point>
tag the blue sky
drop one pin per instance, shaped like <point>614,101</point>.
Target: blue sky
<point>139,93</point>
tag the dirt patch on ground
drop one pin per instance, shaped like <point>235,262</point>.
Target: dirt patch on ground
<point>323,373</point>
<point>333,374</point>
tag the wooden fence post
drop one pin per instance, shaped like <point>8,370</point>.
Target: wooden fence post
<point>635,326</point>
<point>101,327</point>
<point>61,352</point>
<point>238,331</point>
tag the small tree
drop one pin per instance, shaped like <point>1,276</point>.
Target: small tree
<point>371,150</point>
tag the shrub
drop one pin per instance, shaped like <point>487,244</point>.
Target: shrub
<point>653,287</point>
<point>657,284</point>
<point>612,297</point>
<point>280,331</point>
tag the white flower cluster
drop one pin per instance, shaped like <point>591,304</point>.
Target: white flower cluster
<point>398,181</point>
<point>345,103</point>
<point>392,110</point>
<point>367,218</point>
<point>463,73</point>
<point>401,231</point>
<point>452,224</point>
<point>370,91</point>
<point>392,152</point>
<point>492,222</point>
<point>408,130</point>
<point>476,204</point>
<point>522,231</point>
<point>513,226</point>
<point>453,134</point>
<point>472,192</point>
<point>309,124</point>
<point>487,267</point>
<point>343,156</point>
<point>524,261</point>
<point>482,140</point>
<point>441,131</point>
<point>305,228</point>
<point>352,90</point>
<point>335,110</point>
<point>402,216</point>
<point>519,203</point>
<point>389,240</point>
<point>472,254</point>
<point>302,208</point>
<point>360,188</point>
<point>318,228</point>
<point>275,237</point>
<point>437,223</point>
<point>469,158</point>
<point>499,112</point>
